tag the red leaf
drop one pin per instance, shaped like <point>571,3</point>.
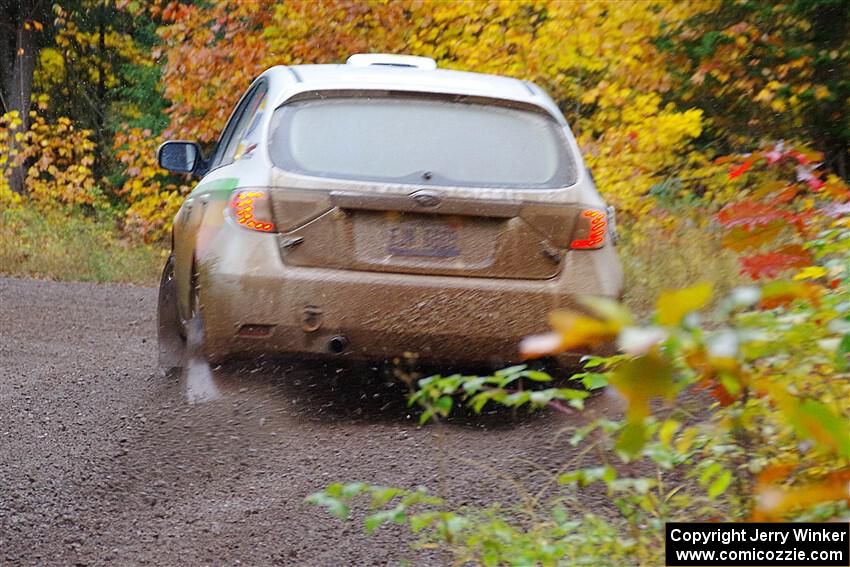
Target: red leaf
<point>741,168</point>
<point>815,183</point>
<point>774,263</point>
<point>799,220</point>
<point>716,390</point>
<point>779,293</point>
<point>740,238</point>
<point>749,214</point>
<point>785,195</point>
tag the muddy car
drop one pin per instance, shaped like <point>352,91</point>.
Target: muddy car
<point>379,209</point>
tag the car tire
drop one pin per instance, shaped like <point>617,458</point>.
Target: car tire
<point>170,340</point>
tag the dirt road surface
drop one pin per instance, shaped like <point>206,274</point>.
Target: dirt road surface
<point>105,460</point>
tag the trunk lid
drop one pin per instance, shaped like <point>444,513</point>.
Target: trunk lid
<point>425,232</point>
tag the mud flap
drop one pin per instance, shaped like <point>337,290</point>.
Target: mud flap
<point>172,346</point>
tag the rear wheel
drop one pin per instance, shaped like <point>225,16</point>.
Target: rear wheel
<point>193,327</point>
<point>193,308</point>
<point>170,337</point>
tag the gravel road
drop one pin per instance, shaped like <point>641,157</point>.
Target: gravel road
<point>104,459</point>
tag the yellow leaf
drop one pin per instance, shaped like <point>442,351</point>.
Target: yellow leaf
<point>579,330</point>
<point>640,380</point>
<point>668,428</point>
<point>673,305</point>
<point>821,92</point>
<point>686,440</point>
<point>608,309</point>
<point>811,273</point>
<point>778,105</point>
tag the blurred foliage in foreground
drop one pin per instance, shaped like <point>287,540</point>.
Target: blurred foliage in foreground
<point>771,361</point>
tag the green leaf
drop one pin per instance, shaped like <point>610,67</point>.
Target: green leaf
<point>593,361</point>
<point>571,394</point>
<point>632,438</point>
<point>444,405</point>
<point>559,514</point>
<point>419,522</point>
<point>455,523</point>
<point>589,476</point>
<point>381,496</point>
<point>353,489</point>
<point>594,380</point>
<point>821,424</point>
<point>581,433</point>
<point>709,473</point>
<point>479,401</point>
<point>473,385</point>
<point>334,506</point>
<point>338,509</point>
<point>397,514</point>
<point>373,521</point>
<point>511,370</point>
<point>415,397</point>
<point>720,484</point>
<point>426,415</point>
<point>540,398</point>
<point>642,485</point>
<point>569,477</point>
<point>516,398</point>
<point>537,376</point>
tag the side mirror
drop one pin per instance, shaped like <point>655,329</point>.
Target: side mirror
<point>180,157</point>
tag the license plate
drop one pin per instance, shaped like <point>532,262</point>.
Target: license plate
<point>432,239</point>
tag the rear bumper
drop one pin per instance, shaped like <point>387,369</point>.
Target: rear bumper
<point>382,315</point>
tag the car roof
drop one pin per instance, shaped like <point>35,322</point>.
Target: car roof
<point>389,76</point>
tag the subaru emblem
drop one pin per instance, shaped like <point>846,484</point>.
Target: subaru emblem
<point>427,199</point>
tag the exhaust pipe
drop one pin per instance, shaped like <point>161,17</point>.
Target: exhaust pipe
<point>337,344</point>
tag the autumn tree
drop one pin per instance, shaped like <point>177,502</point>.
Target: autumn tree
<point>598,60</point>
<point>762,71</point>
<point>80,69</point>
<point>21,24</point>
<point>98,70</point>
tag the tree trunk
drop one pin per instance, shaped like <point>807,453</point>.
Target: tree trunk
<point>100,114</point>
<point>18,51</point>
<point>830,29</point>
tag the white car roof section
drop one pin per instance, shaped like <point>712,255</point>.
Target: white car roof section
<point>306,78</point>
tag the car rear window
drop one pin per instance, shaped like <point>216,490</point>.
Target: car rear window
<point>421,140</point>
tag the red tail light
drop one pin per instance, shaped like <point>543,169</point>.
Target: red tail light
<point>252,209</point>
<point>598,226</point>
